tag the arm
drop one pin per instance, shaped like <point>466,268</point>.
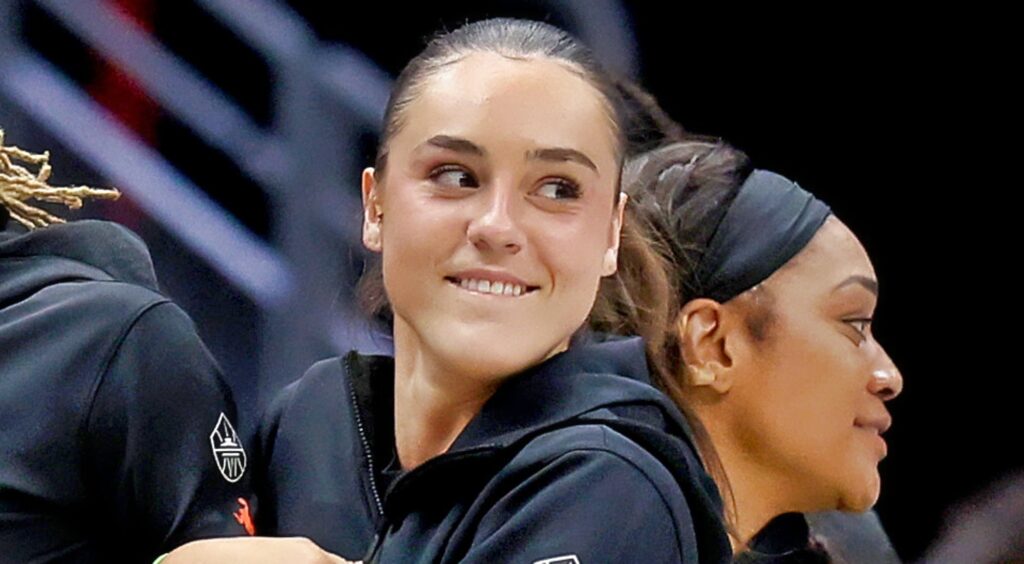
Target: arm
<point>257,550</point>
<point>152,467</point>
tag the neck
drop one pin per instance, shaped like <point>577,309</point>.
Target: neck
<point>758,493</point>
<point>433,401</point>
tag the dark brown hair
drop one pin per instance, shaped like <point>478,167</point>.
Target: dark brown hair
<point>512,38</point>
<point>676,191</point>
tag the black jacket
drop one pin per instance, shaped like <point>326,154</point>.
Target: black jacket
<point>576,460</point>
<point>111,432</point>
<point>818,538</point>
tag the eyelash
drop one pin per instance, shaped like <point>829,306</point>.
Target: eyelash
<point>573,188</point>
<point>437,172</point>
<point>864,322</point>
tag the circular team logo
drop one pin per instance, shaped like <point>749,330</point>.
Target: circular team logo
<point>227,450</point>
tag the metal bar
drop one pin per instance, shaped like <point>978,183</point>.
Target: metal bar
<point>178,87</point>
<point>356,82</point>
<point>272,28</point>
<point>282,36</point>
<point>160,190</point>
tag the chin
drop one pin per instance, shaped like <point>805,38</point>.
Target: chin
<point>862,497</point>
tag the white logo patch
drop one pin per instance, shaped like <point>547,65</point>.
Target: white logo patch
<point>567,559</point>
<point>227,450</point>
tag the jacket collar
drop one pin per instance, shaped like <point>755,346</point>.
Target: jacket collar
<point>599,380</point>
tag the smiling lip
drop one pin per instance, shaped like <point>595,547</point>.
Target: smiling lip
<point>491,282</point>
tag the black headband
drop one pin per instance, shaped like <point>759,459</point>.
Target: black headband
<point>769,222</point>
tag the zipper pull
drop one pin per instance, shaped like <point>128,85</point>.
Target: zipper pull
<point>378,539</point>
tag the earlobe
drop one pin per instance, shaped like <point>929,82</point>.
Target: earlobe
<point>700,375</point>
<point>611,262</point>
<point>723,377</point>
<point>373,216</point>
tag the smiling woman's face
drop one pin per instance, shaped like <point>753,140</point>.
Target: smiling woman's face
<point>809,408</point>
<point>495,215</point>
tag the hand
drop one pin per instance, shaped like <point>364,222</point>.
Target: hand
<point>253,550</point>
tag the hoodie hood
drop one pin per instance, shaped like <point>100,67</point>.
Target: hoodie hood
<point>589,377</point>
<point>83,250</point>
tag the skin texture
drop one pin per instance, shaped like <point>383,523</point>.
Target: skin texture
<point>796,415</point>
<point>481,185</point>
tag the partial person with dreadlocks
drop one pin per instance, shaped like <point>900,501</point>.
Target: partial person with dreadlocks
<point>766,336</point>
<point>116,426</point>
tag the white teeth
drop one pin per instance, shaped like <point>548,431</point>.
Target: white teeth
<point>493,288</point>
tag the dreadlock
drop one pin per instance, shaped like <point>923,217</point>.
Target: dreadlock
<point>18,184</point>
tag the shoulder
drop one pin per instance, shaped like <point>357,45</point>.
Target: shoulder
<point>607,478</point>
<point>98,302</point>
<point>602,446</point>
<point>321,386</point>
<point>159,362</point>
<point>159,335</point>
<point>583,490</point>
<point>310,414</point>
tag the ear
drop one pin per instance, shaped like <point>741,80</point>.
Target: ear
<point>611,256</point>
<point>372,212</point>
<point>703,338</point>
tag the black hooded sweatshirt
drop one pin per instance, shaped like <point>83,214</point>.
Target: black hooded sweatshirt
<point>577,460</point>
<point>116,442</point>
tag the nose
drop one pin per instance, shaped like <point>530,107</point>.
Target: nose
<point>886,379</point>
<point>496,228</point>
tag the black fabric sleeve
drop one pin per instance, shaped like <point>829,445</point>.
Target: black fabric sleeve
<point>586,507</point>
<point>152,469</point>
<point>263,479</point>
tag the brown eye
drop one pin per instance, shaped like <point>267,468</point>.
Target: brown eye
<point>860,325</point>
<point>559,189</point>
<point>453,177</point>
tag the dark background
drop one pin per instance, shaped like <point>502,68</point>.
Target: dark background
<point>899,121</point>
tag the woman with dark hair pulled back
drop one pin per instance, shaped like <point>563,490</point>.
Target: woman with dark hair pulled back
<point>765,335</point>
<point>499,431</point>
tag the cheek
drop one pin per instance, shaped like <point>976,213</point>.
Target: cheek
<point>573,245</point>
<point>803,399</point>
<point>806,407</point>
<point>417,235</point>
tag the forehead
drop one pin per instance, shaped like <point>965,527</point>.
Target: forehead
<point>832,256</point>
<point>489,98</point>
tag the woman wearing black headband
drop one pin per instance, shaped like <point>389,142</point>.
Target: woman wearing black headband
<point>769,337</point>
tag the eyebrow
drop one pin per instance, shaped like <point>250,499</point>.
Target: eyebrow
<point>870,284</point>
<point>559,154</point>
<point>556,154</point>
<point>457,144</point>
